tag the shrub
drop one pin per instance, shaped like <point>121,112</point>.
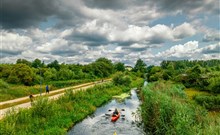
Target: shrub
<point>3,84</point>
<point>121,79</point>
<point>208,101</point>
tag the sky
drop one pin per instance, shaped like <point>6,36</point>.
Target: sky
<point>81,31</point>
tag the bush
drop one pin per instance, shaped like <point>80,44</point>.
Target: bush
<point>121,79</point>
<point>209,102</point>
<point>3,84</point>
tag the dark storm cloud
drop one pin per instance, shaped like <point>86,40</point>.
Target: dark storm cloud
<point>8,53</point>
<point>187,6</point>
<point>107,4</point>
<point>25,13</point>
<point>92,39</point>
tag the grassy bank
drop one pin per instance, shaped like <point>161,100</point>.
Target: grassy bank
<point>167,110</point>
<point>56,117</point>
<point>12,91</point>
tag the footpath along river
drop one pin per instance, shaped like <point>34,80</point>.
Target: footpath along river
<point>100,124</point>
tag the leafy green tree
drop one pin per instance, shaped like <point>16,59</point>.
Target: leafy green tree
<point>23,61</point>
<point>65,74</point>
<point>50,75</point>
<point>37,63</point>
<point>54,64</point>
<point>140,66</point>
<point>119,66</point>
<point>22,74</point>
<point>5,70</point>
<point>121,79</point>
<point>103,67</point>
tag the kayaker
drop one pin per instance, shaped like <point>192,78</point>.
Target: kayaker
<point>115,112</point>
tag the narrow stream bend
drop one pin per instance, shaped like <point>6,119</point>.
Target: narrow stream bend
<point>100,124</point>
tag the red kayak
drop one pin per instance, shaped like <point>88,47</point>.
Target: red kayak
<point>115,117</point>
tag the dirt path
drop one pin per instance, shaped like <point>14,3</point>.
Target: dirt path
<point>53,95</point>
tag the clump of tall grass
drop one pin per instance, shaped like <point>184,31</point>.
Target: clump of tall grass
<point>166,110</point>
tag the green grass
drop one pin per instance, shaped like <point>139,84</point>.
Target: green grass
<point>11,91</point>
<point>56,117</point>
<point>167,110</point>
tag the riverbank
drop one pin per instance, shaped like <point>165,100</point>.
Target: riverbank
<point>167,110</point>
<point>49,117</point>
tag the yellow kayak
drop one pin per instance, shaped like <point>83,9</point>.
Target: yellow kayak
<point>115,133</point>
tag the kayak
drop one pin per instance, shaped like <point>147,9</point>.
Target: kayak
<point>115,133</point>
<point>115,117</point>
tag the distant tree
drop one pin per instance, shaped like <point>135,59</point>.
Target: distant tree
<point>64,74</point>
<point>119,66</point>
<point>37,63</point>
<point>50,74</point>
<point>23,61</point>
<point>102,67</point>
<point>140,66</point>
<point>22,74</point>
<point>54,64</point>
<point>121,79</point>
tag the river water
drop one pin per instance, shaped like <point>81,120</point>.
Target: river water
<point>100,123</point>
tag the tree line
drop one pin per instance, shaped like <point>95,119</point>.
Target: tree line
<point>31,73</point>
<point>203,75</point>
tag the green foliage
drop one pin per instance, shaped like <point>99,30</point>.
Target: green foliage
<point>121,79</point>
<point>208,101</point>
<point>50,74</point>
<point>214,84</point>
<point>37,63</point>
<point>166,110</point>
<point>119,67</point>
<point>61,84</point>
<point>3,84</point>
<point>55,117</point>
<point>203,75</point>
<point>54,64</point>
<point>22,74</point>
<point>23,61</point>
<point>103,67</point>
<point>140,66</point>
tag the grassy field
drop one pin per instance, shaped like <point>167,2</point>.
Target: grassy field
<point>11,91</point>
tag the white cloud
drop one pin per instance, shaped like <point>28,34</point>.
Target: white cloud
<point>13,43</point>
<point>184,30</point>
<point>178,51</point>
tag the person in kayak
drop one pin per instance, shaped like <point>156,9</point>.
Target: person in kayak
<point>115,112</point>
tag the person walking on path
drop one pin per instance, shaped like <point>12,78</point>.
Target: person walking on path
<point>47,89</point>
<point>31,98</point>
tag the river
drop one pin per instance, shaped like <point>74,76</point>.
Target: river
<point>100,124</point>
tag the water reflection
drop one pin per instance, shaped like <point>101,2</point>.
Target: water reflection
<point>100,124</point>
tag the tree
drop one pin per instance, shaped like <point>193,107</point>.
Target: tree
<point>102,67</point>
<point>119,67</point>
<point>37,63</point>
<point>23,61</point>
<point>121,79</point>
<point>54,64</point>
<point>21,73</point>
<point>140,66</point>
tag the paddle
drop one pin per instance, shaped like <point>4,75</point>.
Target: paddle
<point>112,110</point>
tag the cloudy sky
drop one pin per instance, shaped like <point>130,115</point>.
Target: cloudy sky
<point>80,31</point>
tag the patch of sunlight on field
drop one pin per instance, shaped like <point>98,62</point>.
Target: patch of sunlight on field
<point>190,92</point>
